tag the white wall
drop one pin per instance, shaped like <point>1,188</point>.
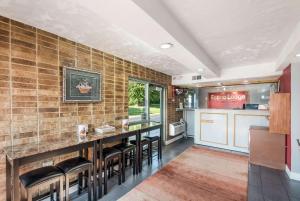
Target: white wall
<point>295,121</point>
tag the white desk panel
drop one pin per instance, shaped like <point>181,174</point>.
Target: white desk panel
<point>214,127</point>
<point>227,129</point>
<point>242,123</point>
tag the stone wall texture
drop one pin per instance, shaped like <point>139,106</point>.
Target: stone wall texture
<point>31,63</point>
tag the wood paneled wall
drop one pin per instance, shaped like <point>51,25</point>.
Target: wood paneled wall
<point>31,63</point>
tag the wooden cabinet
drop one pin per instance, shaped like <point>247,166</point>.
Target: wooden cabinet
<point>266,149</point>
<point>280,113</point>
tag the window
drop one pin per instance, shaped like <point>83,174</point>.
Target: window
<point>145,101</point>
<point>137,101</point>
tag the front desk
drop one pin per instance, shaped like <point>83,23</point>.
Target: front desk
<point>227,129</point>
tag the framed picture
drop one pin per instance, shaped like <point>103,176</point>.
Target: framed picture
<point>81,86</point>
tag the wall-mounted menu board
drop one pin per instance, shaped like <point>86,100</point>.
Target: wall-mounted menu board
<point>227,100</point>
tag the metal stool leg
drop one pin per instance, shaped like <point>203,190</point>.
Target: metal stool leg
<point>159,150</point>
<point>133,159</point>
<point>51,192</point>
<point>29,194</point>
<point>120,169</point>
<point>67,187</point>
<point>112,168</point>
<point>130,158</point>
<point>108,169</point>
<point>57,188</point>
<point>105,176</point>
<point>89,183</point>
<point>149,153</point>
<point>123,166</point>
<point>61,188</point>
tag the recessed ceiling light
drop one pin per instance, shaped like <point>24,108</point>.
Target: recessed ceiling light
<point>298,55</point>
<point>166,45</point>
<point>200,69</point>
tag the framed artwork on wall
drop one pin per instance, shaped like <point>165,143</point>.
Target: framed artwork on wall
<point>81,86</point>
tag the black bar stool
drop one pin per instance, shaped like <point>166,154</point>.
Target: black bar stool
<point>42,176</point>
<point>153,139</point>
<point>128,152</point>
<point>109,156</point>
<point>145,146</point>
<point>75,166</point>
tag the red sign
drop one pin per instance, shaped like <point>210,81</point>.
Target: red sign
<point>227,100</point>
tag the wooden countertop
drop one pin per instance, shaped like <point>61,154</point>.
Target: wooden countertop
<point>259,128</point>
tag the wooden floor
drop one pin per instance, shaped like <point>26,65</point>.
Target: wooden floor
<point>265,184</point>
<point>198,174</point>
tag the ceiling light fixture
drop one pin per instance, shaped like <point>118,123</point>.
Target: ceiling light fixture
<point>200,69</point>
<point>298,55</point>
<point>166,45</point>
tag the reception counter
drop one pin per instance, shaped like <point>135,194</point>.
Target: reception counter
<point>227,129</point>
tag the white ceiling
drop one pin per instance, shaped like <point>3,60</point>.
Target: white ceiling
<point>238,33</point>
<point>97,23</point>
<point>214,35</point>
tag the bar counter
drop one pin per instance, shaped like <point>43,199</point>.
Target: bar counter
<point>18,155</point>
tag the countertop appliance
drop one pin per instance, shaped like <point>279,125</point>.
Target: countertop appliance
<point>250,106</point>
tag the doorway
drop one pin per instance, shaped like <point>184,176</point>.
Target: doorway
<point>155,103</point>
<point>146,102</point>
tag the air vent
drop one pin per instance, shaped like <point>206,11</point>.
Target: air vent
<point>196,77</point>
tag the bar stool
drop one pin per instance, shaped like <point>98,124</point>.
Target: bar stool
<point>109,156</point>
<point>74,166</point>
<point>128,152</point>
<point>144,143</point>
<point>153,139</point>
<point>42,176</point>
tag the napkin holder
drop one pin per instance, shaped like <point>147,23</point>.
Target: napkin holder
<point>105,129</point>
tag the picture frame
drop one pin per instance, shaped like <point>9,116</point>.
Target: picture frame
<point>81,85</point>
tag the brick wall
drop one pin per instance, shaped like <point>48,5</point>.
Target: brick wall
<point>31,63</point>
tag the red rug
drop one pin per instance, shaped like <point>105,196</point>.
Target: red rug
<point>198,174</point>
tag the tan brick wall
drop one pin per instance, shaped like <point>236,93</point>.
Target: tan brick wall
<point>31,63</point>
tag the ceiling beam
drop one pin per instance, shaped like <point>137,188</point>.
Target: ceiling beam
<point>289,51</point>
<point>158,11</point>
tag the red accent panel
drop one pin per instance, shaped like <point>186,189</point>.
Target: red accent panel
<point>227,100</point>
<point>285,87</point>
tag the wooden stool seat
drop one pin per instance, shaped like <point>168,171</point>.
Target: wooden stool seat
<point>152,138</point>
<point>44,175</point>
<point>74,166</point>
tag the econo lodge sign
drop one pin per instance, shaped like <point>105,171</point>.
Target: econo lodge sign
<point>227,100</point>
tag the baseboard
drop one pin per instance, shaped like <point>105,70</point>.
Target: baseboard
<point>292,175</point>
<point>173,139</point>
